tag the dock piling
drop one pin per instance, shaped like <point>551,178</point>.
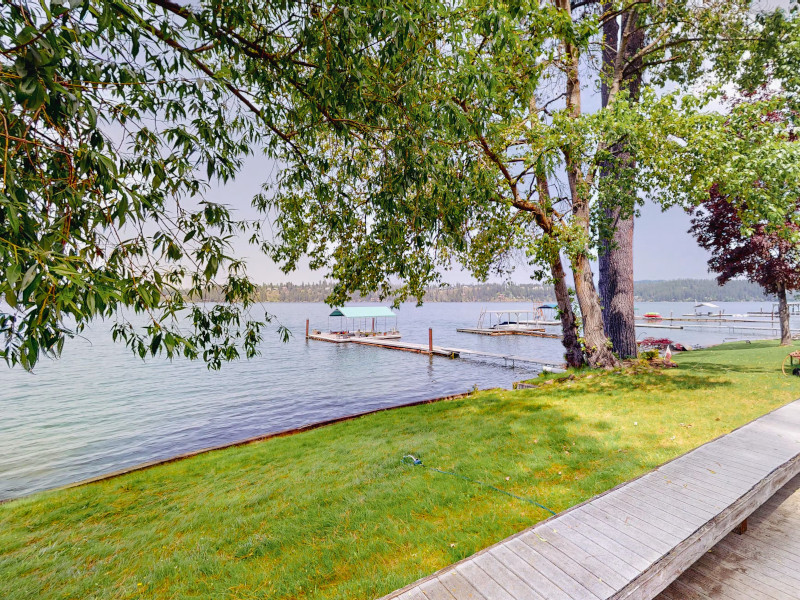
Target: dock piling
<point>306,328</point>
<point>430,340</point>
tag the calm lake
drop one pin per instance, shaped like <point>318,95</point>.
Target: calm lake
<point>99,408</point>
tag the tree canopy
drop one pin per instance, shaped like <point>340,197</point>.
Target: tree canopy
<point>763,254</point>
<point>493,152</point>
<point>117,115</point>
<point>410,135</point>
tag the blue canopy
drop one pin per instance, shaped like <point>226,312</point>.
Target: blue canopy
<point>362,312</point>
<point>549,305</point>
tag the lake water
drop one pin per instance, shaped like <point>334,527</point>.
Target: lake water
<point>99,408</point>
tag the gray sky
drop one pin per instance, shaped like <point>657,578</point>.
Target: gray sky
<point>662,247</point>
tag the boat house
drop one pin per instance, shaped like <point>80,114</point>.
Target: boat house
<point>349,322</point>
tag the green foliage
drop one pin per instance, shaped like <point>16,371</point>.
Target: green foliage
<point>411,136</point>
<point>450,169</point>
<point>109,139</point>
<point>117,115</point>
<point>699,290</point>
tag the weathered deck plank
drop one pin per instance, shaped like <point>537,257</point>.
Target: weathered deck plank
<point>633,542</point>
<point>764,563</point>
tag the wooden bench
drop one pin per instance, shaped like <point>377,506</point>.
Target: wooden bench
<point>632,541</point>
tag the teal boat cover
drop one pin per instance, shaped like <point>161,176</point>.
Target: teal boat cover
<point>362,312</point>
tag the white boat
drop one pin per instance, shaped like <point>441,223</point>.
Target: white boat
<point>705,309</point>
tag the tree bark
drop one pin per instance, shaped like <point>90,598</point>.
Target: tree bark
<point>596,344</point>
<point>616,284</point>
<point>573,354</point>
<point>783,316</point>
<point>616,251</point>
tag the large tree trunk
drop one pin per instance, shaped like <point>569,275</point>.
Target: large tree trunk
<point>616,250</point>
<point>596,344</point>
<point>573,354</point>
<point>616,284</point>
<point>783,316</point>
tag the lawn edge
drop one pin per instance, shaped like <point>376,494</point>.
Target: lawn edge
<point>247,441</point>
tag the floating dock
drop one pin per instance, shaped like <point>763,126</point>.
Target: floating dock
<point>393,344</point>
<point>346,338</point>
<point>508,359</point>
<point>391,341</point>
<point>540,333</point>
<point>723,319</point>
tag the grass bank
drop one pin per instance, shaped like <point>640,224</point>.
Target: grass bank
<point>334,513</point>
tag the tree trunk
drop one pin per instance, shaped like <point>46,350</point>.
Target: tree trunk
<point>596,344</point>
<point>616,250</point>
<point>573,354</point>
<point>616,283</point>
<point>783,316</point>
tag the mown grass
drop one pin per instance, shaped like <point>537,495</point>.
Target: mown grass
<point>334,513</point>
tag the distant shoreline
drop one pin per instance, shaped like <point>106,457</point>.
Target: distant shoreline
<point>674,290</point>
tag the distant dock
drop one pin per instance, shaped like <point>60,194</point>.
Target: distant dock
<point>390,340</point>
<point>346,337</point>
<point>529,331</point>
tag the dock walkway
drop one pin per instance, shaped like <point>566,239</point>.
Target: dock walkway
<point>633,541</point>
<point>455,352</point>
<point>762,563</point>
<point>529,331</point>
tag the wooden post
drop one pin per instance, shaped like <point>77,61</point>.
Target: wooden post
<point>373,324</point>
<point>430,340</point>
<point>741,527</point>
<point>306,328</point>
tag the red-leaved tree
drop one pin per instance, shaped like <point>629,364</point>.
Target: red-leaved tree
<point>767,256</point>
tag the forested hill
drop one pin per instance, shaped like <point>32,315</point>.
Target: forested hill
<point>700,290</point>
<point>676,290</point>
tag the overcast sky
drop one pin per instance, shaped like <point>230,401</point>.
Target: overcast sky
<point>662,247</point>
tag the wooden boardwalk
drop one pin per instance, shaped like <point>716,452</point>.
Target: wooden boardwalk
<point>764,563</point>
<point>636,539</point>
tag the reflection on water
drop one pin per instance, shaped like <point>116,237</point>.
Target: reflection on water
<point>99,408</point>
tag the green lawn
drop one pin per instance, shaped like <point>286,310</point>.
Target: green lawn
<point>334,513</point>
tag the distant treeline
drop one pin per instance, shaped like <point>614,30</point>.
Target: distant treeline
<point>676,290</point>
<point>699,290</point>
<point>487,292</point>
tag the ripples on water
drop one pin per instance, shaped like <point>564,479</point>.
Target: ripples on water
<point>99,408</point>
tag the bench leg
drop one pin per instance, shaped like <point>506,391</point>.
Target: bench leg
<point>741,527</point>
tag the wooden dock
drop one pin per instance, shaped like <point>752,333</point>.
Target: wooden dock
<point>457,352</point>
<point>633,541</point>
<point>540,333</point>
<point>338,338</point>
<point>407,346</point>
<point>510,358</point>
<point>762,563</point>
